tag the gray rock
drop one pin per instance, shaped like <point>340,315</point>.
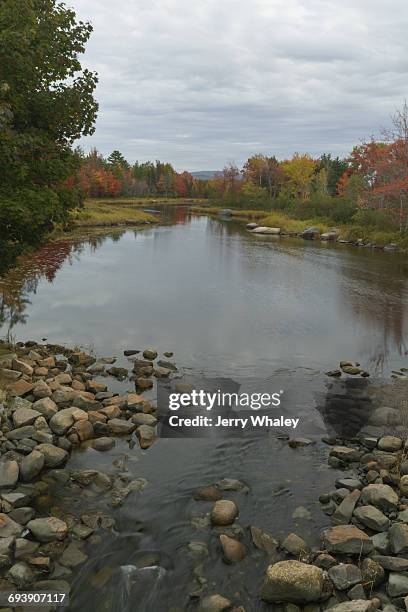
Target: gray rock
<point>146,435</point>
<point>372,518</point>
<point>398,535</point>
<point>65,419</point>
<point>393,564</point>
<point>264,541</point>
<point>167,364</point>
<point>389,443</point>
<point>344,511</point>
<point>345,453</point>
<point>72,556</point>
<point>25,548</point>
<point>46,406</point>
<point>403,485</point>
<point>347,539</point>
<point>295,545</point>
<point>8,527</point>
<point>141,418</point>
<point>24,416</point>
<point>103,444</point>
<point>381,496</point>
<point>10,374</point>
<point>9,471</point>
<point>22,432</point>
<point>293,581</point>
<point>397,585</point>
<point>53,455</point>
<point>48,529</point>
<point>345,575</point>
<point>381,543</point>
<point>31,465</point>
<point>20,574</point>
<point>120,426</point>
<point>349,483</point>
<point>22,515</point>
<point>357,605</point>
<point>6,551</point>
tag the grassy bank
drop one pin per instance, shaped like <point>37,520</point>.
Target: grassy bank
<point>347,231</point>
<point>144,202</point>
<point>104,214</point>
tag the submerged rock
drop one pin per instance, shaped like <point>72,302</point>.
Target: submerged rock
<point>48,529</point>
<point>224,512</point>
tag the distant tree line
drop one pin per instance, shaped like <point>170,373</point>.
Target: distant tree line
<point>114,176</point>
<point>369,186</point>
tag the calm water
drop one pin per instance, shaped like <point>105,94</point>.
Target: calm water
<point>270,314</point>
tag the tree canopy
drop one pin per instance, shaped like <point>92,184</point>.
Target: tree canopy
<point>46,103</point>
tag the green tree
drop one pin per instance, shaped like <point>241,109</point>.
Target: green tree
<point>46,103</point>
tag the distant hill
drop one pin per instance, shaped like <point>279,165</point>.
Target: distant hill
<point>205,175</point>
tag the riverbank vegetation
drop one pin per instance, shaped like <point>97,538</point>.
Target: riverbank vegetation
<point>95,214</point>
<point>46,103</point>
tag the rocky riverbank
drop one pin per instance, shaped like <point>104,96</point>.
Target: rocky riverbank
<point>55,400</point>
<point>51,404</point>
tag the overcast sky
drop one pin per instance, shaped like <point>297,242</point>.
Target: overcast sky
<point>202,82</point>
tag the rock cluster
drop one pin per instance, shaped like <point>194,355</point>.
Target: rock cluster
<point>51,404</point>
<point>361,561</point>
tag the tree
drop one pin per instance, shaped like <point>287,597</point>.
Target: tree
<point>46,103</point>
<point>299,172</point>
<point>117,160</point>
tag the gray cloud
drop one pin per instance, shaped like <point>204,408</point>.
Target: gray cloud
<point>200,83</point>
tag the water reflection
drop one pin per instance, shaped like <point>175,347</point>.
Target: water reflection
<point>230,303</point>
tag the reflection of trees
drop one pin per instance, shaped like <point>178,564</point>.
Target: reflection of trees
<point>22,280</point>
<point>376,291</point>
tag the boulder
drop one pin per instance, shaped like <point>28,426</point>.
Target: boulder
<point>295,582</point>
<point>267,230</point>
<point>372,518</point>
<point>64,419</point>
<point>48,529</point>
<point>150,354</point>
<point>41,390</point>
<point>53,456</point>
<point>120,426</point>
<point>24,416</point>
<point>347,539</point>
<point>381,496</point>
<point>46,406</point>
<point>389,443</point>
<point>208,493</point>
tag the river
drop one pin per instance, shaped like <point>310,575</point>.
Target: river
<point>267,313</point>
